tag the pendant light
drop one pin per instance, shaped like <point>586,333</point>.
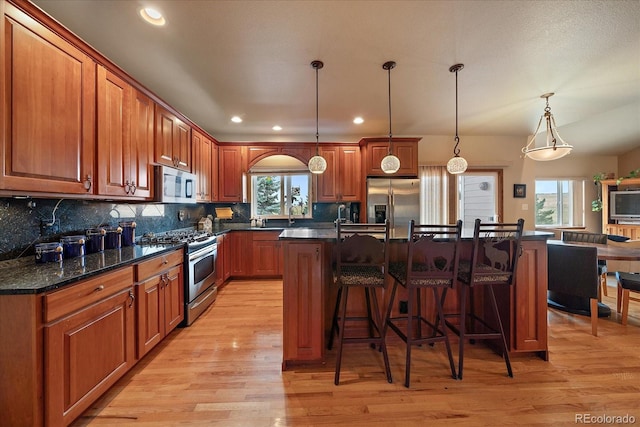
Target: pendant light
<point>552,150</point>
<point>390,163</point>
<point>456,164</point>
<point>317,164</point>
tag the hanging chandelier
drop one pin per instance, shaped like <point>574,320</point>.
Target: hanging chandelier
<point>390,163</point>
<point>317,164</point>
<point>456,164</point>
<point>552,150</point>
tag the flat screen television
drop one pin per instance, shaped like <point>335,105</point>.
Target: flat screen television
<point>625,205</point>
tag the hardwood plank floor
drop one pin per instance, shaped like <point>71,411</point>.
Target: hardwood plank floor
<point>225,370</point>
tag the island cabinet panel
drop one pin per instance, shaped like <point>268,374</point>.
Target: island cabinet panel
<point>48,89</point>
<point>304,290</point>
<point>172,140</point>
<point>88,350</point>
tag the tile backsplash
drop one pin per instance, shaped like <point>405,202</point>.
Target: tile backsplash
<point>20,219</point>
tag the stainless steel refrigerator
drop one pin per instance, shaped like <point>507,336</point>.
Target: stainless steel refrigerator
<point>397,200</point>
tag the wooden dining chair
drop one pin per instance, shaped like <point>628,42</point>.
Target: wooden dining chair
<point>627,283</point>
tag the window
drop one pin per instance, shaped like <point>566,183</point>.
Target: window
<point>560,203</point>
<point>275,195</point>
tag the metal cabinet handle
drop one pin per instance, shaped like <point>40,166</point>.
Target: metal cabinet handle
<point>317,254</point>
<point>127,186</point>
<point>132,298</point>
<point>88,183</point>
<point>99,288</point>
<point>133,187</point>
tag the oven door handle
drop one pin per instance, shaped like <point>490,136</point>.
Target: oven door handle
<point>201,253</point>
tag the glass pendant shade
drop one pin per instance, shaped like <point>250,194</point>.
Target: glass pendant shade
<point>457,165</point>
<point>390,164</point>
<point>317,164</point>
<point>552,150</point>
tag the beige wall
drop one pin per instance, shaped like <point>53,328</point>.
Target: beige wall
<point>629,162</point>
<point>505,152</point>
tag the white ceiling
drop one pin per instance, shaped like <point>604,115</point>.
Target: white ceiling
<point>215,59</point>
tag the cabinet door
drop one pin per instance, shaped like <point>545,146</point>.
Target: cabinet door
<point>49,93</point>
<point>406,151</point>
<point>222,247</point>
<point>114,134</point>
<point>241,242</point>
<point>141,154</point>
<point>215,192</point>
<point>86,353</point>
<point>349,176</point>
<point>266,253</point>
<point>303,287</point>
<point>231,168</point>
<point>172,140</point>
<point>150,316</point>
<point>201,147</point>
<point>173,294</point>
<point>327,182</point>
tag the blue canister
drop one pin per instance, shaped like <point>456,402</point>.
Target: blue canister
<point>95,240</point>
<point>128,232</point>
<point>73,246</point>
<point>113,237</point>
<point>48,252</point>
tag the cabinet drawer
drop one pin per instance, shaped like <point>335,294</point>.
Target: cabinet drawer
<point>153,266</point>
<point>87,292</point>
<point>266,235</point>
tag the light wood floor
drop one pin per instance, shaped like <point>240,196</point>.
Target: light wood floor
<point>225,370</point>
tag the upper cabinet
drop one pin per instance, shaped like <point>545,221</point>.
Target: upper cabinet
<point>406,149</point>
<point>201,146</point>
<point>125,139</point>
<point>173,140</point>
<point>231,168</point>
<point>48,90</point>
<point>340,182</point>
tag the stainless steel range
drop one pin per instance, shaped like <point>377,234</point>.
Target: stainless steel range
<point>201,251</point>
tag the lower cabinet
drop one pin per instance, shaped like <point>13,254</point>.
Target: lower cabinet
<point>89,344</point>
<point>267,254</point>
<point>160,299</point>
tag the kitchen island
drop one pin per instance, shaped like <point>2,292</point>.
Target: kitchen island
<point>309,294</point>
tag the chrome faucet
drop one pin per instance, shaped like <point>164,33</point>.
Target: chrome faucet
<point>340,208</point>
<point>291,220</point>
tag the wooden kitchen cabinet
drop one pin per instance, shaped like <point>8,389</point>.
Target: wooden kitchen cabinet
<point>267,254</point>
<point>89,342</point>
<point>341,181</point>
<point>231,168</point>
<point>303,280</point>
<point>222,265</point>
<point>202,150</point>
<point>160,299</point>
<point>125,139</point>
<point>215,180</point>
<point>172,140</point>
<point>406,149</point>
<point>49,92</point>
<point>611,226</point>
<point>241,247</point>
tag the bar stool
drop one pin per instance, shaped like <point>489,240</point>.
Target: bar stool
<point>362,260</point>
<point>432,263</point>
<point>494,258</point>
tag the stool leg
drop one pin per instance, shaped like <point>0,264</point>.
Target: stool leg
<point>410,317</point>
<point>334,321</point>
<point>461,328</point>
<point>603,282</point>
<point>504,341</point>
<point>383,344</point>
<point>390,308</point>
<point>370,322</point>
<point>343,314</point>
<point>625,305</point>
<point>444,332</point>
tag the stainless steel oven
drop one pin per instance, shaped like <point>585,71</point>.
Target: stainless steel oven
<point>200,277</point>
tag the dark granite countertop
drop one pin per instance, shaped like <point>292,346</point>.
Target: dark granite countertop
<point>397,233</point>
<point>24,276</point>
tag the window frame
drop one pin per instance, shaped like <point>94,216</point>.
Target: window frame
<point>574,198</point>
<point>285,196</point>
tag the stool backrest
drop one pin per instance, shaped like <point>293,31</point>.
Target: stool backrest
<point>433,254</point>
<point>495,253</point>
<point>577,236</point>
<point>362,245</point>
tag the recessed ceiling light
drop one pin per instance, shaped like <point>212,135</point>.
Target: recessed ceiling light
<point>358,120</point>
<point>277,127</point>
<point>236,119</point>
<point>152,16</point>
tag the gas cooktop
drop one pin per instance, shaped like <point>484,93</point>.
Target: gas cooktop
<point>192,238</point>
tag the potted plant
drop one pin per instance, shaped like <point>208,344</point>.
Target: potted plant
<point>596,205</point>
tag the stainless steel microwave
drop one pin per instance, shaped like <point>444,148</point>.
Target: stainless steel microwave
<point>174,186</point>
